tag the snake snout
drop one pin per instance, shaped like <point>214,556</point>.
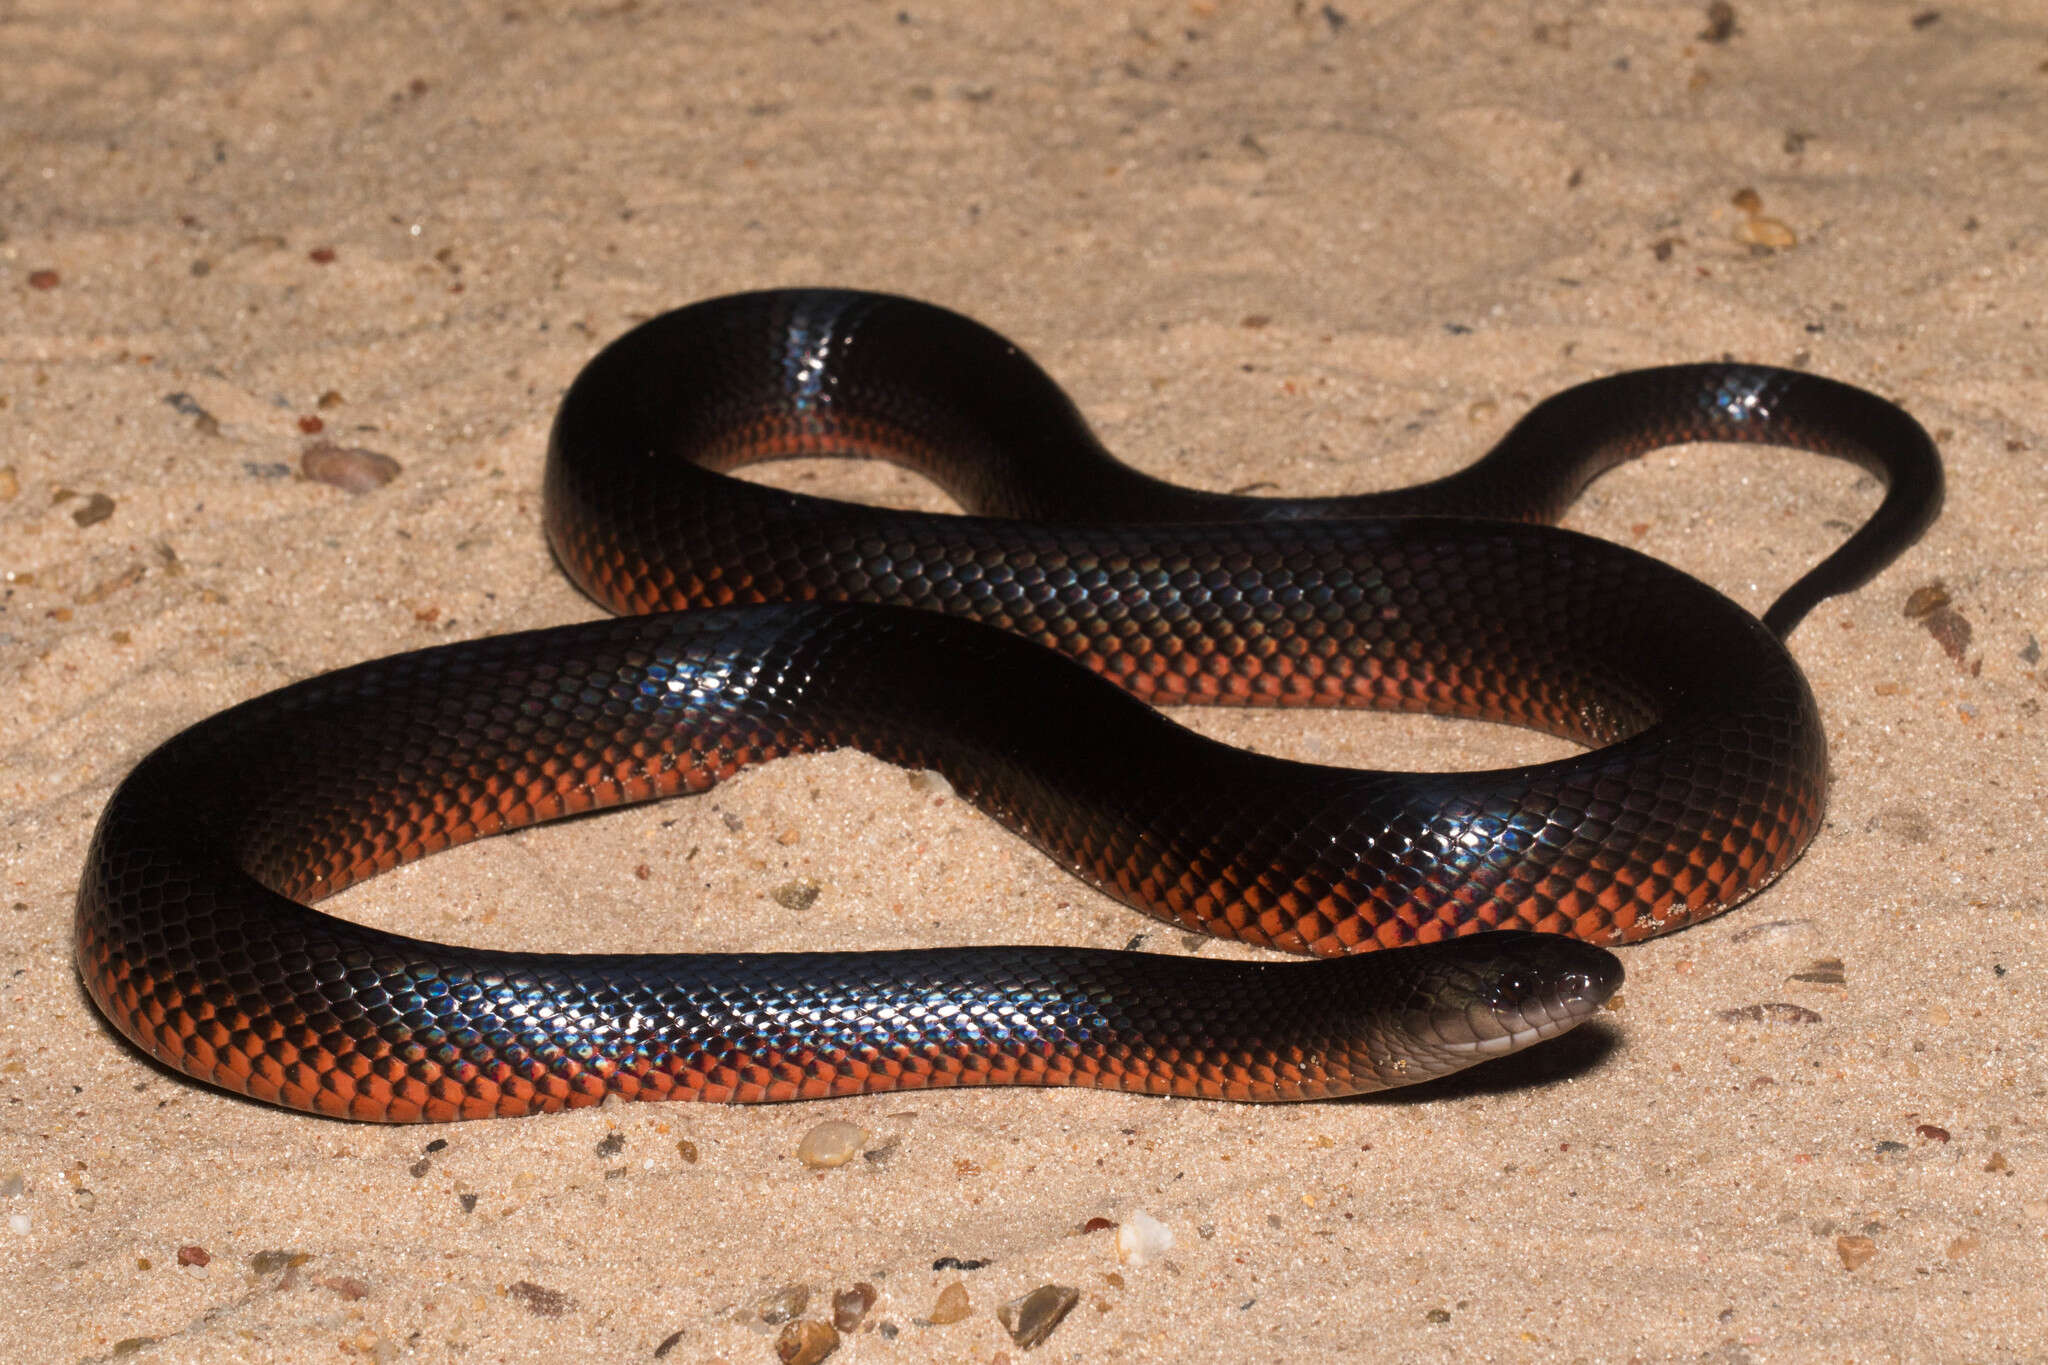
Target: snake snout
<point>1509,990</point>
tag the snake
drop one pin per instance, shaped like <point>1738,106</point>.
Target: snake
<point>1020,649</point>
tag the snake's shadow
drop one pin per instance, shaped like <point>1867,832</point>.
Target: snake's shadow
<point>1578,1053</point>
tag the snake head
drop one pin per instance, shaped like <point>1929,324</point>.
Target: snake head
<point>1470,999</point>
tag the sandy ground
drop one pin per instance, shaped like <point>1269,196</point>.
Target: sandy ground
<point>1331,247</point>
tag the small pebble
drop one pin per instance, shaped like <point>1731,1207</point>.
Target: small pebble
<point>539,1300</point>
<point>349,1287</point>
<point>668,1343</point>
<point>1762,231</point>
<point>611,1144</point>
<point>10,483</point>
<point>931,783</point>
<point>95,509</point>
<point>193,1255</point>
<point>800,894</point>
<point>12,1184</point>
<point>1931,1133</point>
<point>44,279</point>
<point>784,1305</point>
<point>1774,1012</point>
<point>806,1343</point>
<point>270,1262</point>
<point>832,1143</point>
<point>952,1305</point>
<point>349,468</point>
<point>1029,1320</point>
<point>850,1306</point>
<point>1142,1239</point>
<point>1855,1251</point>
<point>687,1150</point>
<point>1720,25</point>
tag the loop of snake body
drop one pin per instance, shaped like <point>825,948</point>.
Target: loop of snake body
<point>764,623</point>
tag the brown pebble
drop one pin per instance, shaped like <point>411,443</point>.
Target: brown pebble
<point>952,1305</point>
<point>1097,1224</point>
<point>347,1286</point>
<point>1822,971</point>
<point>687,1150</point>
<point>329,399</point>
<point>1758,230</point>
<point>541,1301</point>
<point>1748,200</point>
<point>1854,1251</point>
<point>1720,24</point>
<point>800,894</point>
<point>1997,1163</point>
<point>10,483</point>
<point>311,425</point>
<point>270,1262</point>
<point>1932,1133</point>
<point>1929,605</point>
<point>1030,1319</point>
<point>321,255</point>
<point>849,1306</point>
<point>806,1343</point>
<point>348,468</point>
<point>44,279</point>
<point>1927,598</point>
<point>193,1255</point>
<point>669,1343</point>
<point>96,508</point>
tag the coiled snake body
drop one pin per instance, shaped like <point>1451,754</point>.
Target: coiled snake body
<point>931,641</point>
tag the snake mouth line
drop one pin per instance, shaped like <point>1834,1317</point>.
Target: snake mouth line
<point>1523,1009</point>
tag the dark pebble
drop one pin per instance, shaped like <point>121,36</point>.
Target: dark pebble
<point>1029,1320</point>
<point>541,1301</point>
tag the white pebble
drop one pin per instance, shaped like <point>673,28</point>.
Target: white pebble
<point>18,1222</point>
<point>1142,1239</point>
<point>932,782</point>
<point>832,1143</point>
